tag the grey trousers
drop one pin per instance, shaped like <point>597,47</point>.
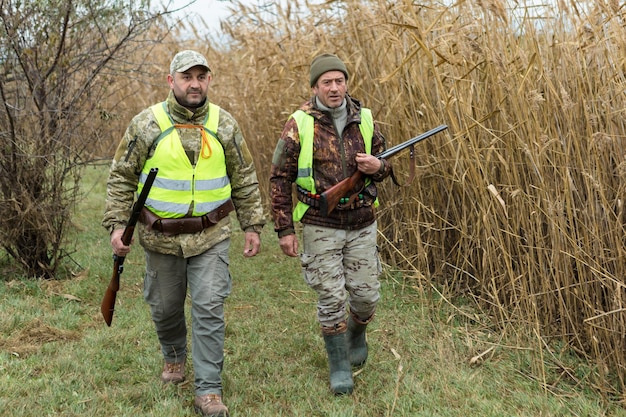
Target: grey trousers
<point>165,289</point>
<point>343,267</point>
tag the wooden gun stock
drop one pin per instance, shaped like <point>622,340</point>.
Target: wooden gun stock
<point>107,307</point>
<point>331,197</point>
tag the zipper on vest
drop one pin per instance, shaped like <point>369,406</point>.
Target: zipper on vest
<point>342,151</point>
<point>193,185</point>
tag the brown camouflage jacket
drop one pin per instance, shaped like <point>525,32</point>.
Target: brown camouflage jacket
<point>333,160</point>
<point>136,147</point>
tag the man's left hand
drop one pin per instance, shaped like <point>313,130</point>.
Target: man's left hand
<point>252,245</point>
<point>368,164</point>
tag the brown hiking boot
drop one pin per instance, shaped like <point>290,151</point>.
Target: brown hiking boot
<point>210,405</point>
<point>173,372</point>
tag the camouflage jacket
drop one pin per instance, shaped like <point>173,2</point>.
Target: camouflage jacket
<point>136,147</point>
<point>333,160</point>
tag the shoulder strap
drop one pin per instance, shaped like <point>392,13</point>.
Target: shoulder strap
<point>212,120</point>
<point>166,124</point>
<point>367,128</point>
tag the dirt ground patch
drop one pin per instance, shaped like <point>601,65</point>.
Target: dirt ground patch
<point>32,336</point>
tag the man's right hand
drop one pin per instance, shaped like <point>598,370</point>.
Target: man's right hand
<point>116,243</point>
<point>289,245</point>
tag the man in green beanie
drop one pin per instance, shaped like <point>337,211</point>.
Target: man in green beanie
<point>327,139</point>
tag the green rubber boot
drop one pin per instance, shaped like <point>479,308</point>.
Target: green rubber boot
<point>357,342</point>
<point>340,372</point>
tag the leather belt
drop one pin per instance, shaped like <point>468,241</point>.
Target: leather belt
<point>173,227</point>
<point>313,200</point>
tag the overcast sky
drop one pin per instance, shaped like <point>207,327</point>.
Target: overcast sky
<point>210,10</point>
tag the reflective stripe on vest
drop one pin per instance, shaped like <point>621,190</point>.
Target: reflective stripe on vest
<point>305,159</point>
<point>178,183</point>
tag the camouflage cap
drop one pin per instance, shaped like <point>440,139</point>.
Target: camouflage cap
<point>186,59</point>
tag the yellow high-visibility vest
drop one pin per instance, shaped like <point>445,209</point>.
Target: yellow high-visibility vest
<point>305,159</point>
<point>178,183</point>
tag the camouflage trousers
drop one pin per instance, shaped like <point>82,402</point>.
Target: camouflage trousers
<point>343,267</point>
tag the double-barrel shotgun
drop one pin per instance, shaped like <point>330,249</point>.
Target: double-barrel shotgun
<point>329,199</point>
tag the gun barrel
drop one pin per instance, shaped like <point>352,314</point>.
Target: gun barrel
<point>397,148</point>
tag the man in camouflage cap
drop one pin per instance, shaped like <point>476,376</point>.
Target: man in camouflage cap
<point>327,139</point>
<point>184,60</point>
<point>205,170</point>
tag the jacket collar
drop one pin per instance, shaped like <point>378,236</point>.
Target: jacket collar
<point>182,114</point>
<point>353,108</point>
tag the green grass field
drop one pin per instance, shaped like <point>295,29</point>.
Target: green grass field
<point>427,358</point>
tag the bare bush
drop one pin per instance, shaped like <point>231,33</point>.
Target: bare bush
<point>58,67</point>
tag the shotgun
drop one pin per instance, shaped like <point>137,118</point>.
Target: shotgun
<point>331,197</point>
<point>108,301</point>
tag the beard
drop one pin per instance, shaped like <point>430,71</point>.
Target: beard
<point>190,104</point>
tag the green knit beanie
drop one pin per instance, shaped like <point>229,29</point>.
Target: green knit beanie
<point>324,63</point>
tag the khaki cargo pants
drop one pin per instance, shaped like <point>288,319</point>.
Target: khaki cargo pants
<point>343,267</point>
<point>207,279</point>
